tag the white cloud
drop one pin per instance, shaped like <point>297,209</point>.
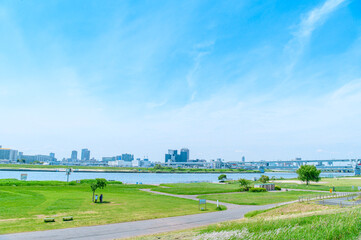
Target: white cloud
<point>202,50</point>
<point>313,19</point>
<point>316,17</point>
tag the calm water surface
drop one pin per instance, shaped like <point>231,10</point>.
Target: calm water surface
<point>150,178</point>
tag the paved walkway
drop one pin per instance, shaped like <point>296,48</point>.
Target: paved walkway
<point>145,227</point>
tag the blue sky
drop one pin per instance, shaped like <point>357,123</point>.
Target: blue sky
<point>264,79</point>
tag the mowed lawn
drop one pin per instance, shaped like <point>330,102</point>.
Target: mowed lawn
<point>343,184</point>
<point>23,208</point>
<point>197,188</point>
<point>257,198</point>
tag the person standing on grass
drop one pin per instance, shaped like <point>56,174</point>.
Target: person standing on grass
<point>101,198</point>
<point>96,198</point>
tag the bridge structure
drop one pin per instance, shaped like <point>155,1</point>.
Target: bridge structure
<point>342,165</point>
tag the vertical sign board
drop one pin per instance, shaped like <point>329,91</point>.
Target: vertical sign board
<point>67,172</point>
<point>24,176</point>
<point>202,201</point>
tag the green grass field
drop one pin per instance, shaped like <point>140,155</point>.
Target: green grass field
<point>196,188</point>
<point>341,184</point>
<point>23,207</point>
<point>254,198</point>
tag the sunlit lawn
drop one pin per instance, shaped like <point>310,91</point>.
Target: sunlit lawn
<point>197,188</point>
<point>340,184</point>
<point>23,208</point>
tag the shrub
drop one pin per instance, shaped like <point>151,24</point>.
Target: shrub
<point>264,179</point>
<point>244,183</point>
<point>257,189</point>
<point>244,189</point>
<point>222,177</point>
<point>278,188</point>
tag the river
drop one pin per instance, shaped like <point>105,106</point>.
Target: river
<point>150,178</point>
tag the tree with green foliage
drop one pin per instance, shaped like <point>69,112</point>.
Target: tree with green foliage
<point>264,179</point>
<point>245,184</point>
<point>307,173</point>
<point>158,166</point>
<point>99,183</point>
<point>222,177</point>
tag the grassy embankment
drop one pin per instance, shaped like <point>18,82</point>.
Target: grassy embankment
<point>23,205</point>
<point>294,221</point>
<point>343,184</point>
<point>261,198</point>
<point>127,169</point>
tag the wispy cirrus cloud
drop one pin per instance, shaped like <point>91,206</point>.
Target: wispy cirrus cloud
<point>309,22</point>
<point>201,51</point>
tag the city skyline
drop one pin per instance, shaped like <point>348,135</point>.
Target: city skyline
<point>272,80</point>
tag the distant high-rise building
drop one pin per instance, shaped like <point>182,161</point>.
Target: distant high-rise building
<point>167,157</point>
<point>8,154</point>
<point>173,156</point>
<point>52,156</point>
<point>127,157</point>
<point>243,159</point>
<point>74,155</point>
<point>172,152</point>
<point>184,155</point>
<point>85,154</point>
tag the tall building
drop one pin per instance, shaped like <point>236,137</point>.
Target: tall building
<point>85,154</point>
<point>127,157</point>
<point>184,155</point>
<point>167,157</point>
<point>8,154</point>
<point>173,156</point>
<point>243,159</point>
<point>74,155</point>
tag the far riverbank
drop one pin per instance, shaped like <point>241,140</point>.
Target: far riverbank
<point>89,169</point>
<point>145,177</point>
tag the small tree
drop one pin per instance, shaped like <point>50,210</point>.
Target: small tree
<point>264,179</point>
<point>307,173</point>
<point>222,177</point>
<point>244,183</point>
<point>99,183</point>
<point>158,166</point>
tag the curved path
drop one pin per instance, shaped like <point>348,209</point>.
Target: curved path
<point>144,227</point>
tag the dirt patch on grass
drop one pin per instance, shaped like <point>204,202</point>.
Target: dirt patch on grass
<point>11,219</point>
<point>89,212</point>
